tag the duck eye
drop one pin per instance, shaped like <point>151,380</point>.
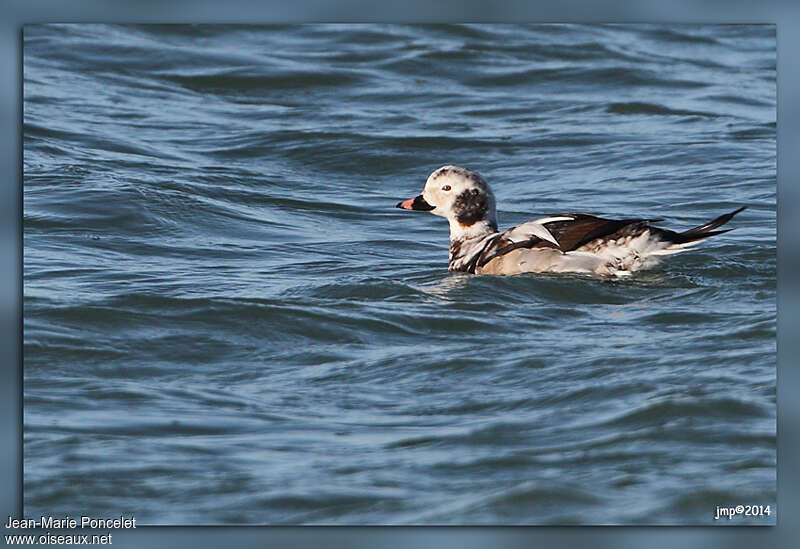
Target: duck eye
<point>446,188</point>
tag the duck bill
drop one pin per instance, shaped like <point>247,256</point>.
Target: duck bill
<point>416,203</point>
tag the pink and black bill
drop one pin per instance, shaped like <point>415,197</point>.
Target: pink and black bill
<point>416,203</point>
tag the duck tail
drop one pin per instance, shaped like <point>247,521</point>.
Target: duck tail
<point>707,230</point>
<point>677,242</point>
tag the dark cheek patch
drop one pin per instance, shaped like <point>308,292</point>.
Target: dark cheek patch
<point>471,206</point>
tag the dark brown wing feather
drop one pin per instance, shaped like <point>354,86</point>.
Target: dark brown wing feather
<point>584,228</point>
<point>570,235</point>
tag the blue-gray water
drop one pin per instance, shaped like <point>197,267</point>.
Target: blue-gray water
<point>227,321</point>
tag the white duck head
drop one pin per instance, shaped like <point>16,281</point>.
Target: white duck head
<point>461,196</point>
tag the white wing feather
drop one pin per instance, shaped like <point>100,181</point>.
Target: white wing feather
<point>536,228</point>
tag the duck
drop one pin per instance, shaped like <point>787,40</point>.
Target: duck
<point>572,242</point>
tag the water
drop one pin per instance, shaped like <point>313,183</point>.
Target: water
<point>227,321</point>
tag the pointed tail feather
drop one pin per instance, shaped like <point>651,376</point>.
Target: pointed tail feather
<point>704,231</point>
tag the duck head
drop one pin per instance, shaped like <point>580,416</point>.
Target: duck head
<point>462,197</point>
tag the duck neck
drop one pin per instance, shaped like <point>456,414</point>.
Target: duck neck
<point>479,229</point>
<point>465,242</point>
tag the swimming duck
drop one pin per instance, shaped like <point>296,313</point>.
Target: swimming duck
<point>560,243</point>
